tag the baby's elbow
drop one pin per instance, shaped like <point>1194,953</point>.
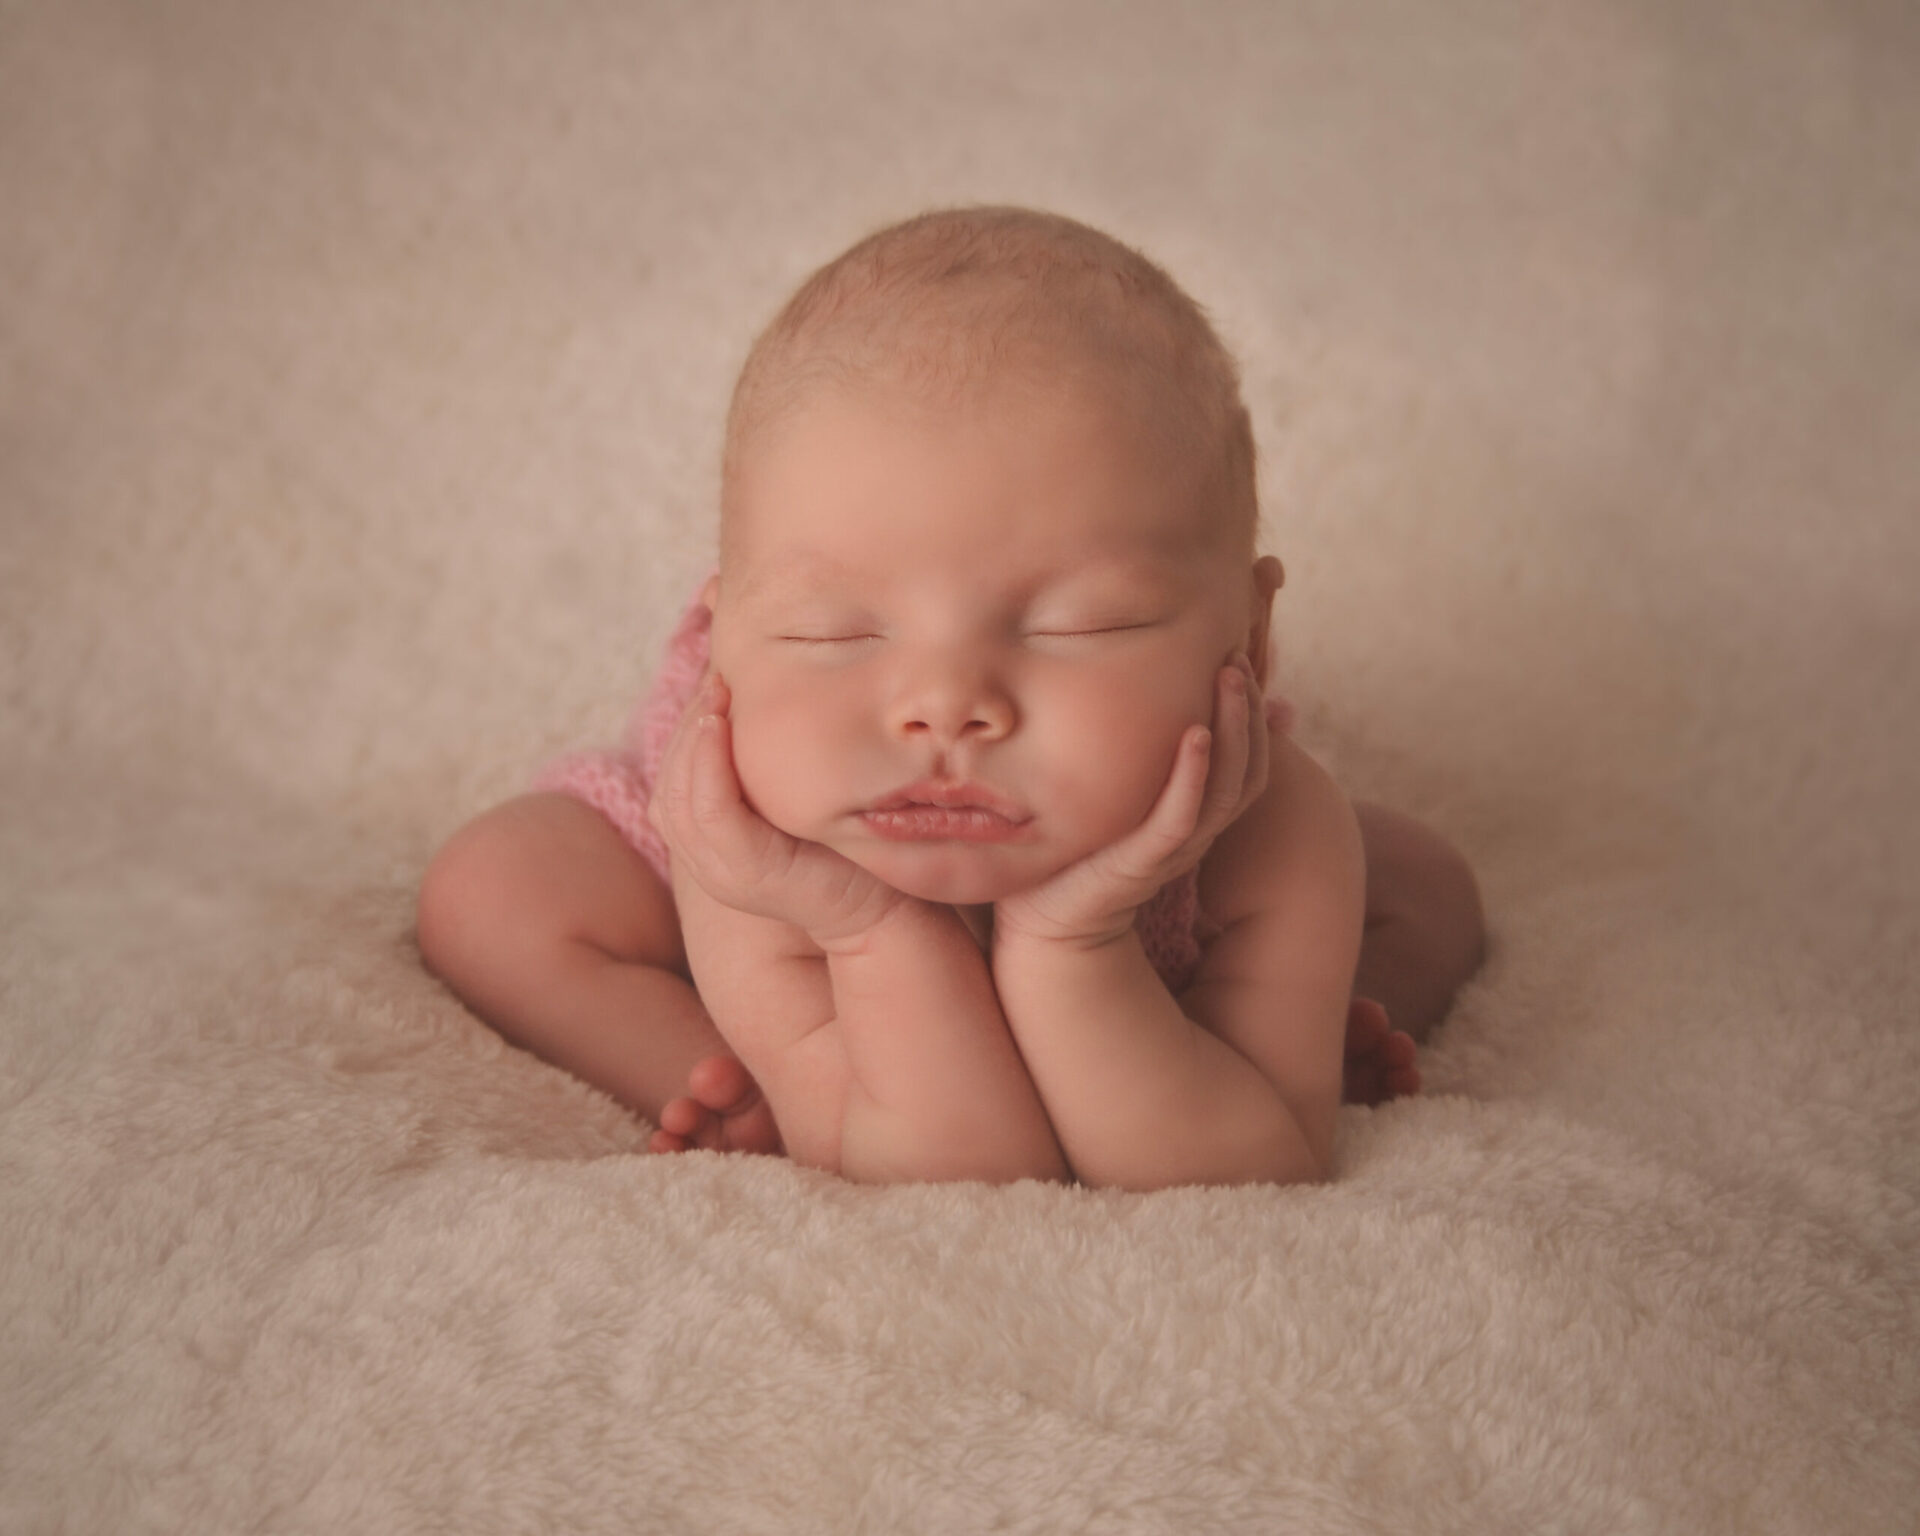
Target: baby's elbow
<point>1281,1143</point>
<point>1278,1140</point>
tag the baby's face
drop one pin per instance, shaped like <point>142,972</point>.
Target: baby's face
<point>963,645</point>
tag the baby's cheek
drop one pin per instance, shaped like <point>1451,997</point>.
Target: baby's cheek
<point>1110,764</point>
<point>777,757</point>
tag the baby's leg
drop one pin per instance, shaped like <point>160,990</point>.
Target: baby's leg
<point>545,923</point>
<point>1425,935</point>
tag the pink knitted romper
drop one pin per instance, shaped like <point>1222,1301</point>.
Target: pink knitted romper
<point>619,783</point>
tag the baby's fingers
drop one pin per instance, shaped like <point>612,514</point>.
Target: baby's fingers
<point>713,789</point>
<point>672,792</point>
<point>699,806</point>
<point>1239,767</point>
<point>1216,773</point>
<point>1259,761</point>
<point>716,805</point>
<point>1171,824</point>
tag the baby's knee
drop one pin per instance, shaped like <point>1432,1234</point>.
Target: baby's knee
<point>1459,914</point>
<point>535,882</point>
<point>466,901</point>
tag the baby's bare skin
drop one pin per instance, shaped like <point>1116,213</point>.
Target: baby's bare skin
<point>993,637</point>
<point>557,934</point>
<point>699,805</point>
<point>723,1109</point>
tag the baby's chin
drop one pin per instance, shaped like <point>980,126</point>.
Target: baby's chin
<point>953,874</point>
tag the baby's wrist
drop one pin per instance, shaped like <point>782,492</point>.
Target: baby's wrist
<point>1017,937</point>
<point>881,911</point>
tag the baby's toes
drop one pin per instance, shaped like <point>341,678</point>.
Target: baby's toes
<point>743,1121</point>
<point>682,1116</point>
<point>1398,1059</point>
<point>1367,1028</point>
<point>722,1085</point>
<point>1380,1059</point>
<point>1397,1049</point>
<point>683,1124</point>
<point>1363,1082</point>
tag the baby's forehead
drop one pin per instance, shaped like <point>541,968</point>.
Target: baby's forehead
<point>1093,485</point>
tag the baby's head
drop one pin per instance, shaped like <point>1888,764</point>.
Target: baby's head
<point>947,308</point>
<point>987,534</point>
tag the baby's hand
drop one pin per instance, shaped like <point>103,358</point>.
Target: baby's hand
<point>738,857</point>
<point>1215,776</point>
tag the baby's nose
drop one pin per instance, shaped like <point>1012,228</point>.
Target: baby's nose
<point>953,707</point>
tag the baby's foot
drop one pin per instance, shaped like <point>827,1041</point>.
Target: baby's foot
<point>1380,1058</point>
<point>723,1111</point>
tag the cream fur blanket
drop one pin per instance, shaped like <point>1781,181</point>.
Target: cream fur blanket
<point>361,368</point>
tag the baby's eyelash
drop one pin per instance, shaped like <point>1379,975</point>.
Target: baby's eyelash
<point>1087,633</point>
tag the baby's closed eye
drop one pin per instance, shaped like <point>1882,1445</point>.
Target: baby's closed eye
<point>825,624</point>
<point>1090,629</point>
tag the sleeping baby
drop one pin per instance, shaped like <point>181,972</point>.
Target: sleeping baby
<point>962,835</point>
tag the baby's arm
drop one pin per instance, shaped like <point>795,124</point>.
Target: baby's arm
<point>1239,1081</point>
<point>868,1018</point>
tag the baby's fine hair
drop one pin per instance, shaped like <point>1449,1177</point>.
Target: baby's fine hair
<point>951,300</point>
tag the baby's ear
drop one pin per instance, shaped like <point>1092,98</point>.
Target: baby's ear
<point>1269,575</point>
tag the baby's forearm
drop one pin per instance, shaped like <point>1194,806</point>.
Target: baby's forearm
<point>936,1088</point>
<point>1140,1095</point>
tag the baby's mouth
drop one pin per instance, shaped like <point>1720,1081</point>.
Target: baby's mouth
<point>946,811</point>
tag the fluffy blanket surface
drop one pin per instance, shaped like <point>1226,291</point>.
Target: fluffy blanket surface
<point>361,375</point>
